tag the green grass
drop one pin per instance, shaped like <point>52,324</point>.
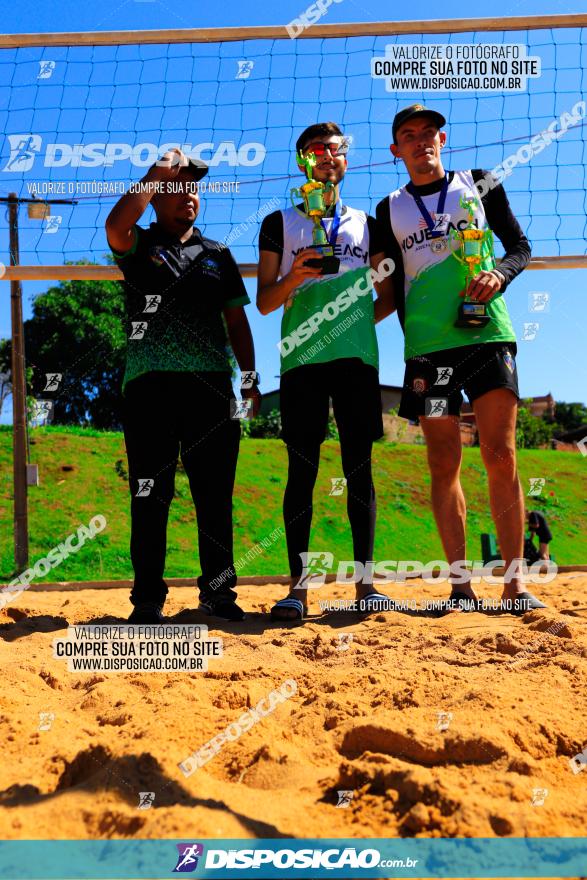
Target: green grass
<point>83,473</point>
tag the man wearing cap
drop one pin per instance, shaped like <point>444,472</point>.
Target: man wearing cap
<point>443,359</point>
<point>328,350</point>
<point>184,302</point>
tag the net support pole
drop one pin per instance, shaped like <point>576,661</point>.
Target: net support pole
<point>19,440</point>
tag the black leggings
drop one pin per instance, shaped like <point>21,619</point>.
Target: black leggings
<point>297,501</point>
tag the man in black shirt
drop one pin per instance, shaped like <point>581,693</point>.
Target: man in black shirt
<point>184,293</point>
<point>537,525</point>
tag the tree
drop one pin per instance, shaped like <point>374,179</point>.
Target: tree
<point>569,415</point>
<point>5,372</point>
<point>77,329</point>
<point>532,431</point>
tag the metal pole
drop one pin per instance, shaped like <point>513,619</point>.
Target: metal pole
<point>19,435</point>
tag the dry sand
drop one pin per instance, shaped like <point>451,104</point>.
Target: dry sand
<point>365,718</point>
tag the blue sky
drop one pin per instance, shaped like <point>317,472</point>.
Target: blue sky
<point>190,94</point>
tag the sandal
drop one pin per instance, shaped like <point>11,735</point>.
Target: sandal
<point>289,602</point>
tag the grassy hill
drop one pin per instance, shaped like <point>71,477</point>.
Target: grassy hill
<point>83,473</point>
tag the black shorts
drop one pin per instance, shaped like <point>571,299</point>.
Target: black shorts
<point>305,394</point>
<point>433,382</point>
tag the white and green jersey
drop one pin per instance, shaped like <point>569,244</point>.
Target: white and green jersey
<point>433,277</point>
<point>330,317</point>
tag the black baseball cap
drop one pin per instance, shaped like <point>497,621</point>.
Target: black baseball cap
<point>197,168</point>
<point>415,110</point>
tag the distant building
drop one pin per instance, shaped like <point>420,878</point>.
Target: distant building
<point>542,406</point>
<point>390,398</point>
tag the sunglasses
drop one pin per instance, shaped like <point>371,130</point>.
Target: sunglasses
<point>319,148</point>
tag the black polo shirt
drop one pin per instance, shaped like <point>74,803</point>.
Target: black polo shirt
<point>175,295</point>
<point>537,525</point>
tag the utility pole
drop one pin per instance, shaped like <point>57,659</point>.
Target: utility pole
<point>18,381</point>
<point>19,431</point>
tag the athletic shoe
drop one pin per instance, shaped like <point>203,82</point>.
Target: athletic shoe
<point>146,612</point>
<point>221,606</point>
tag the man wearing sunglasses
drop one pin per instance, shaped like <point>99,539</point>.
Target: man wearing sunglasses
<point>443,357</point>
<point>328,351</point>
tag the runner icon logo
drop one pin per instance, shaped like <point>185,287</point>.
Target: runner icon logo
<point>315,566</point>
<point>189,853</point>
<point>436,407</point>
<point>444,374</point>
<point>338,484</point>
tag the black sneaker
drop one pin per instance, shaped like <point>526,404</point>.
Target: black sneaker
<point>222,606</point>
<point>146,612</point>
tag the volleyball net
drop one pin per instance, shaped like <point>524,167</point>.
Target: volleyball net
<point>85,115</point>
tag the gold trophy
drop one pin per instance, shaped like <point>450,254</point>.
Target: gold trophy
<point>313,193</point>
<point>473,246</point>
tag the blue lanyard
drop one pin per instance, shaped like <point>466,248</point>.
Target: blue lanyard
<point>335,224</point>
<point>423,209</point>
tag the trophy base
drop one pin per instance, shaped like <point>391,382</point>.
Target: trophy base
<point>472,315</point>
<point>328,263</point>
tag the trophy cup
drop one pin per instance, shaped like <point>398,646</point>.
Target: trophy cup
<point>313,193</point>
<point>473,245</point>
